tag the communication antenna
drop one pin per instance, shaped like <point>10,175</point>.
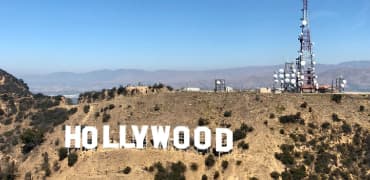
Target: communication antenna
<point>302,76</point>
<point>220,85</point>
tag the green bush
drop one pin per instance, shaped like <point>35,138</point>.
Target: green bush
<point>30,138</point>
<point>239,134</point>
<point>325,125</point>
<point>304,105</point>
<point>127,170</point>
<point>243,145</point>
<point>157,107</point>
<point>216,175</point>
<point>298,172</point>
<point>176,171</point>
<point>336,98</point>
<point>203,122</point>
<point>204,177</point>
<point>72,111</point>
<point>272,116</point>
<point>308,158</point>
<point>286,157</point>
<point>46,119</point>
<point>335,117</point>
<point>62,153</point>
<point>72,159</point>
<point>275,175</point>
<point>86,109</point>
<point>224,165</point>
<point>227,113</point>
<point>194,166</point>
<point>210,161</point>
<point>291,119</point>
<point>346,128</point>
<point>106,117</point>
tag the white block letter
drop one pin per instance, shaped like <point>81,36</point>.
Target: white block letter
<point>139,136</point>
<point>176,137</point>
<point>122,138</point>
<point>76,136</point>
<point>229,140</point>
<point>85,138</point>
<point>160,136</point>
<point>106,139</point>
<point>207,138</point>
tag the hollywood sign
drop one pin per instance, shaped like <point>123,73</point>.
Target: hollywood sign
<point>160,134</point>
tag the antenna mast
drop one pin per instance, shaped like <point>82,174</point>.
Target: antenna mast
<point>306,77</point>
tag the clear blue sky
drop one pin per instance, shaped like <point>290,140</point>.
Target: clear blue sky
<point>78,36</point>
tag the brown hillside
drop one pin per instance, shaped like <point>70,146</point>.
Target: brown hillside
<point>260,111</point>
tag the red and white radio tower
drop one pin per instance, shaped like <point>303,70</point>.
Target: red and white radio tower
<point>306,75</point>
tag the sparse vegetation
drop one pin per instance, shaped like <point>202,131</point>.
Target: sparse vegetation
<point>241,133</point>
<point>275,175</point>
<point>45,165</point>
<point>224,165</point>
<point>62,153</point>
<point>243,145</point>
<point>106,117</point>
<point>335,117</point>
<point>204,177</point>
<point>157,107</point>
<point>292,119</point>
<point>228,113</point>
<point>72,159</point>
<point>336,98</point>
<point>127,170</point>
<point>175,171</point>
<point>216,175</point>
<point>203,122</point>
<point>194,166</point>
<point>86,109</point>
<point>272,116</point>
<point>304,105</point>
<point>362,108</point>
<point>31,138</point>
<point>210,161</point>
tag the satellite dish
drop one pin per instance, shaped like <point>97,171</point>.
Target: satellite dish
<point>303,63</point>
<point>302,77</point>
<point>281,70</point>
<point>275,76</point>
<point>344,81</point>
<point>304,22</point>
<point>218,82</point>
<point>282,81</point>
<point>293,75</point>
<point>314,62</point>
<point>281,76</point>
<point>287,75</point>
<point>293,81</point>
<point>287,80</point>
<point>342,85</point>
<point>276,80</point>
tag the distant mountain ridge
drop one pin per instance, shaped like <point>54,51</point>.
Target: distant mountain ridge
<point>356,72</point>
